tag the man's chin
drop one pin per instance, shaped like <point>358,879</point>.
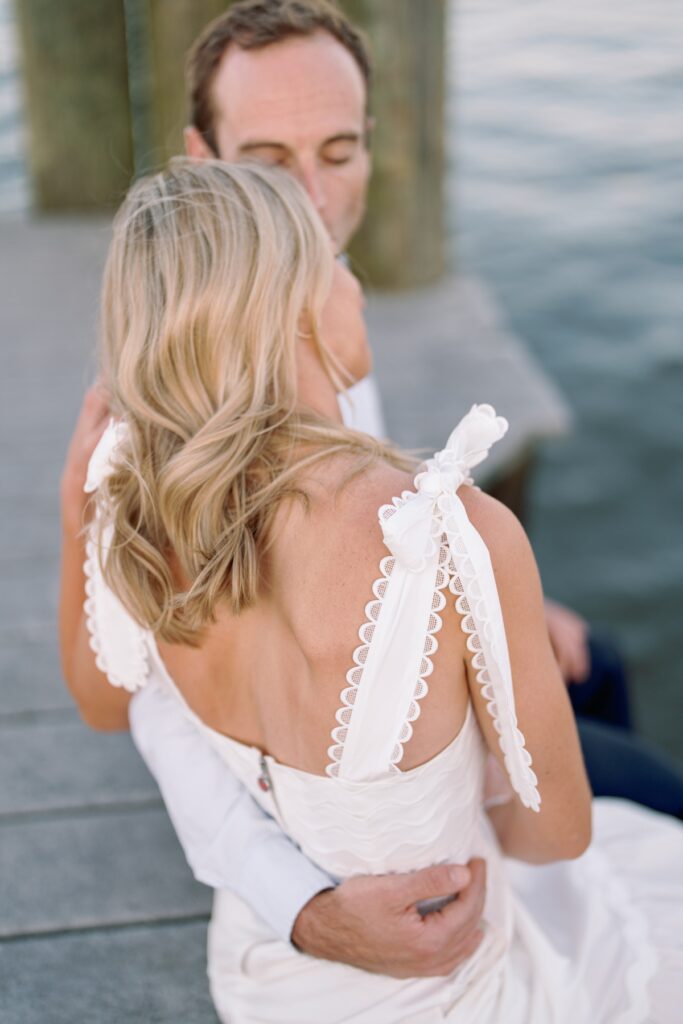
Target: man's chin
<point>342,236</point>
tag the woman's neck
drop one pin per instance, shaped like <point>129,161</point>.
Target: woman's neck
<point>316,391</point>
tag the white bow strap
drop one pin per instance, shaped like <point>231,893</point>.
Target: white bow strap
<point>415,525</point>
<point>411,531</point>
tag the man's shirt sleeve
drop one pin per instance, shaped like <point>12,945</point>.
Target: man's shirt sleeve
<point>361,408</point>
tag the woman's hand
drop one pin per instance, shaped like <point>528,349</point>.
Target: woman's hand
<point>92,420</point>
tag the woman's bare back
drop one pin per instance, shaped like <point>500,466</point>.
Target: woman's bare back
<point>272,677</point>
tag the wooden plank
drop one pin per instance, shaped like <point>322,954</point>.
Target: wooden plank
<point>145,975</point>
<point>29,595</point>
<point>54,763</point>
<point>102,869</point>
<point>30,675</point>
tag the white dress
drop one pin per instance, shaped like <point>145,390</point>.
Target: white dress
<point>598,940</point>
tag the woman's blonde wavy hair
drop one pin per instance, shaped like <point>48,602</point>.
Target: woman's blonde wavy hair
<point>209,271</point>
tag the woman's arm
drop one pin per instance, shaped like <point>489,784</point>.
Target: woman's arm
<point>562,828</point>
<point>101,705</point>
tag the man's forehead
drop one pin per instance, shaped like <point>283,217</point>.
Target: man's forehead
<point>289,91</point>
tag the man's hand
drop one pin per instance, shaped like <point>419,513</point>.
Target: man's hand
<point>569,638</point>
<point>373,923</point>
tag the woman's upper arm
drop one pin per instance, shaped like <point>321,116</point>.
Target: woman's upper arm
<point>543,710</point>
<point>102,706</point>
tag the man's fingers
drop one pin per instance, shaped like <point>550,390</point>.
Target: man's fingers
<point>467,910</point>
<point>434,882</point>
<point>477,886</point>
<point>477,868</point>
<point>452,933</point>
<point>582,665</point>
<point>569,638</point>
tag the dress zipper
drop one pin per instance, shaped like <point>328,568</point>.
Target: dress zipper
<point>265,784</point>
<point>264,780</point>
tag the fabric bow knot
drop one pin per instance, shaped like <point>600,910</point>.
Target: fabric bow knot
<point>411,532</point>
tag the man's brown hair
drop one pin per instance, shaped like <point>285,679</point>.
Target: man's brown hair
<point>252,25</point>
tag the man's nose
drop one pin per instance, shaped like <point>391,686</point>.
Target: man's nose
<point>310,177</point>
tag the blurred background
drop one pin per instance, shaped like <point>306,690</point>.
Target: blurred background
<point>545,172</point>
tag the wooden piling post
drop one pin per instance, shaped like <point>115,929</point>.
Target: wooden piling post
<point>402,241</point>
<point>172,30</point>
<point>75,78</point>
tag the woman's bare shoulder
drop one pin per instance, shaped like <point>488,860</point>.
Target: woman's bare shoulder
<point>341,501</point>
<point>328,549</point>
<point>497,525</point>
<point>512,557</point>
<point>340,517</point>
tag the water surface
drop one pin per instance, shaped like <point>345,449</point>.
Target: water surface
<point>566,195</point>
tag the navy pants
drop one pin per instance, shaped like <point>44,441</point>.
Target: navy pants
<point>619,763</point>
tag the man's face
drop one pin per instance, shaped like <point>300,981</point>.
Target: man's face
<point>299,104</point>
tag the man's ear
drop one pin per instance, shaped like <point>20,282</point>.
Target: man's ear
<point>369,131</point>
<point>196,145</point>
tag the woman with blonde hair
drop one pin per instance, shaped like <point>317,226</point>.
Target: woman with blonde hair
<point>241,525</point>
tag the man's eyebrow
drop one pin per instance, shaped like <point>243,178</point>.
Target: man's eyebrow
<point>246,147</point>
<point>261,144</point>
<point>343,137</point>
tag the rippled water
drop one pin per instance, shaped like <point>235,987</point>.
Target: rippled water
<point>567,196</point>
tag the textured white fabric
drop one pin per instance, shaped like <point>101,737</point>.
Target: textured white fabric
<point>598,940</point>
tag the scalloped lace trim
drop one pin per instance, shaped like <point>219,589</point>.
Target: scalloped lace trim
<point>366,634</point>
<point>463,580</point>
<point>136,679</point>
